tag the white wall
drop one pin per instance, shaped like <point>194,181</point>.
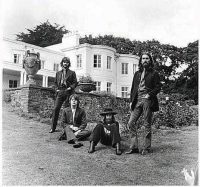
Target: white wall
<point>103,74</point>
<point>6,79</point>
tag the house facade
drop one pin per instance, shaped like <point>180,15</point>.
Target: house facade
<point>112,72</point>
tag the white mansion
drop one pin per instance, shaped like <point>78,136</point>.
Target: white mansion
<point>111,71</point>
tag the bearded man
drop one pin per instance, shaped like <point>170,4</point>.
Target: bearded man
<point>145,87</point>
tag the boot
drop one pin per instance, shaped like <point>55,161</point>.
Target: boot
<point>91,148</point>
<point>62,137</point>
<point>118,151</point>
<point>130,151</point>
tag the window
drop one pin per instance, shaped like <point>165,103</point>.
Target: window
<point>79,61</point>
<point>12,83</point>
<point>56,67</point>
<point>109,86</point>
<point>124,68</point>
<point>134,68</point>
<point>42,64</point>
<point>97,61</point>
<point>109,62</point>
<point>124,92</point>
<point>16,58</point>
<point>98,86</point>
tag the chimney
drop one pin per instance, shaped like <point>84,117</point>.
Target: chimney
<point>70,39</point>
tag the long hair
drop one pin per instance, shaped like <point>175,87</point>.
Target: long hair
<point>151,65</point>
<point>65,59</point>
<point>76,97</point>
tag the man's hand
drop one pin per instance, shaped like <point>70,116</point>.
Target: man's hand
<point>73,128</point>
<point>147,96</point>
<point>76,133</point>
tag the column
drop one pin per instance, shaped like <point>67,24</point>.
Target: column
<point>43,81</point>
<point>25,77</point>
<point>46,81</point>
<point>21,78</point>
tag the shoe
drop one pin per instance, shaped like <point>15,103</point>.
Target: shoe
<point>118,151</point>
<point>71,142</point>
<point>144,152</point>
<point>91,148</point>
<point>77,145</point>
<point>62,137</point>
<point>131,151</point>
<point>51,131</point>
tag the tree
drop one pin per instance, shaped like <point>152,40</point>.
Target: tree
<point>43,35</point>
<point>189,76</point>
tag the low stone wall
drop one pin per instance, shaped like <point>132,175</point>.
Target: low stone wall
<point>31,99</point>
<point>40,101</point>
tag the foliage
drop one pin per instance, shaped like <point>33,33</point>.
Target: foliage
<point>187,82</point>
<point>43,35</point>
<point>86,79</point>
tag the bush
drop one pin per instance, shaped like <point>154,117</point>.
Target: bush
<point>7,96</point>
<point>86,79</point>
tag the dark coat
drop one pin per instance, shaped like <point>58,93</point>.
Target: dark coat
<point>79,118</point>
<point>70,79</point>
<point>153,85</point>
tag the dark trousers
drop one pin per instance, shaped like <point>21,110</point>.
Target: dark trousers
<point>99,134</point>
<point>62,96</point>
<point>143,106</point>
<point>69,133</point>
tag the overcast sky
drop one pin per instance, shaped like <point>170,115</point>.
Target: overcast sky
<point>173,22</point>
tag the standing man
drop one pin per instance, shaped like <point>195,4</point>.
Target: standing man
<point>65,83</point>
<point>145,87</point>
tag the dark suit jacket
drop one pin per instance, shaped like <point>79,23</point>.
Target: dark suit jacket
<point>70,79</point>
<point>79,118</point>
<point>153,85</point>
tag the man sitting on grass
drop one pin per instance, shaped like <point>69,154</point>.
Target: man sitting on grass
<point>74,123</point>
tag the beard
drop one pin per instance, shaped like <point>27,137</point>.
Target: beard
<point>66,66</point>
<point>108,121</point>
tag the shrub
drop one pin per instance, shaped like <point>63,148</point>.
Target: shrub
<point>86,79</point>
<point>7,96</point>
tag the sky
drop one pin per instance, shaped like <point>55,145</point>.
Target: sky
<point>174,22</point>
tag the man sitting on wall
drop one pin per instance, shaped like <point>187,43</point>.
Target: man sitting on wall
<point>65,83</point>
<point>74,123</point>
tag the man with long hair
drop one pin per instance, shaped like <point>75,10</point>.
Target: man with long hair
<point>145,87</point>
<point>107,132</point>
<point>65,83</point>
<point>74,123</point>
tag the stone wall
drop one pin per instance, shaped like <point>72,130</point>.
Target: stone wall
<point>31,99</point>
<point>40,101</point>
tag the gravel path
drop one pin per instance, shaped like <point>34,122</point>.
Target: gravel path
<point>32,156</point>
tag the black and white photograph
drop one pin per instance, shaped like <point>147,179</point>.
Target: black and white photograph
<point>100,92</point>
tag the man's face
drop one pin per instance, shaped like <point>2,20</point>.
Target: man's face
<point>145,60</point>
<point>108,118</point>
<point>74,102</point>
<point>66,64</point>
